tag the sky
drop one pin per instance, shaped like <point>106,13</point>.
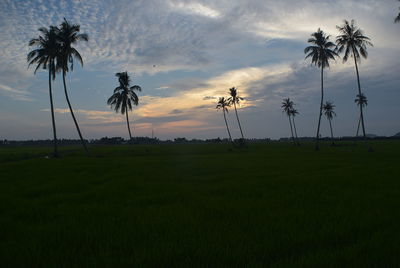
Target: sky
<point>187,54</point>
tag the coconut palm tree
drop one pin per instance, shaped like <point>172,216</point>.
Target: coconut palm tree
<point>235,99</point>
<point>361,100</point>
<point>320,53</point>
<point>293,113</point>
<point>287,107</point>
<point>329,113</point>
<point>44,56</point>
<point>124,96</point>
<point>68,36</point>
<point>223,104</point>
<point>353,43</point>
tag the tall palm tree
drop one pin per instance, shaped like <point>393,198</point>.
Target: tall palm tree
<point>124,96</point>
<point>235,99</point>
<point>287,107</point>
<point>68,36</point>
<point>44,55</point>
<point>223,104</point>
<point>320,52</point>
<point>293,113</point>
<point>361,100</point>
<point>329,113</point>
<point>353,43</point>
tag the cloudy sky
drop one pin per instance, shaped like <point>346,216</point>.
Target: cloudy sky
<point>186,54</point>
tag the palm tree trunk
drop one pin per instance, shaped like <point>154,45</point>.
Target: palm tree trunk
<point>52,116</point>
<point>73,116</point>
<point>330,125</point>
<point>227,128</point>
<point>291,130</point>
<point>320,108</point>
<point>358,126</point>
<point>295,132</point>
<point>127,121</point>
<point>359,92</point>
<point>237,117</point>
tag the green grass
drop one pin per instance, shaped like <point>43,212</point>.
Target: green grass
<point>201,205</point>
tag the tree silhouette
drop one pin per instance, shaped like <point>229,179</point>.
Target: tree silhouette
<point>329,113</point>
<point>235,99</point>
<point>397,19</point>
<point>293,113</point>
<point>124,96</point>
<point>44,56</point>
<point>320,53</point>
<point>353,42</point>
<point>68,35</point>
<point>224,104</point>
<point>361,100</point>
<point>287,107</point>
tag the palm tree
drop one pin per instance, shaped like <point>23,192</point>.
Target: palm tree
<point>45,57</point>
<point>361,100</point>
<point>124,96</point>
<point>397,19</point>
<point>68,36</point>
<point>353,42</point>
<point>223,104</point>
<point>235,99</point>
<point>329,113</point>
<point>293,113</point>
<point>287,107</point>
<point>321,52</point>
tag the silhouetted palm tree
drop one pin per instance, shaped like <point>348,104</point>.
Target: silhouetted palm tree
<point>293,113</point>
<point>235,99</point>
<point>124,96</point>
<point>223,104</point>
<point>287,107</point>
<point>329,113</point>
<point>361,100</point>
<point>353,42</point>
<point>321,52</point>
<point>397,19</point>
<point>45,57</point>
<point>68,36</point>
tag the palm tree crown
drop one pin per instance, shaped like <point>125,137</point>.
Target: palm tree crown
<point>329,109</point>
<point>223,104</point>
<point>124,95</point>
<point>322,51</point>
<point>48,48</point>
<point>234,98</point>
<point>397,19</point>
<point>352,41</point>
<point>293,112</point>
<point>287,106</point>
<point>361,100</point>
<point>69,35</point>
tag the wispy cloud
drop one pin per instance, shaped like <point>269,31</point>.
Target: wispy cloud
<point>15,94</point>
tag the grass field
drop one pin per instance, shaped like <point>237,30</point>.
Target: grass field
<point>271,205</point>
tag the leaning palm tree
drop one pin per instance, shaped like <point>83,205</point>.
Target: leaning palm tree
<point>124,96</point>
<point>68,36</point>
<point>361,100</point>
<point>320,52</point>
<point>45,57</point>
<point>329,113</point>
<point>223,104</point>
<point>287,107</point>
<point>235,99</point>
<point>293,113</point>
<point>353,43</point>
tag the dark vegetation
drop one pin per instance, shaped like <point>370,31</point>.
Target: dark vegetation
<point>267,205</point>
